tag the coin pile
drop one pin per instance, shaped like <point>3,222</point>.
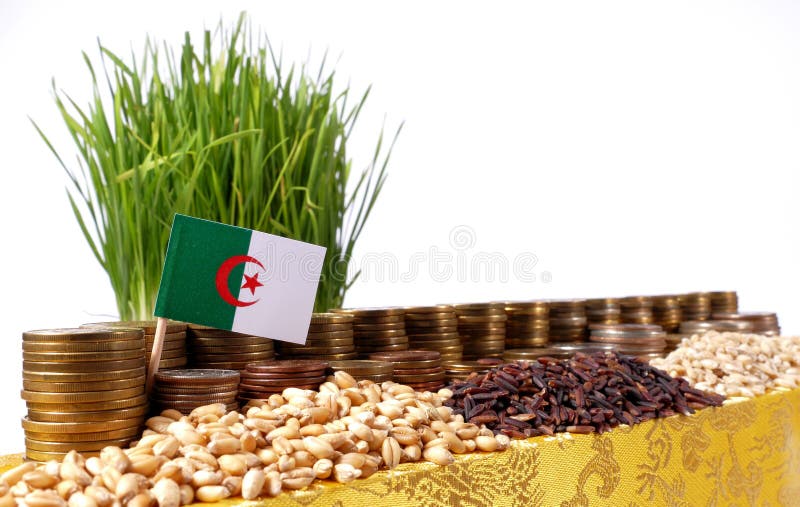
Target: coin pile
<point>434,328</point>
<point>690,327</point>
<point>377,329</point>
<point>173,353</point>
<point>568,321</point>
<point>364,369</point>
<point>636,310</point>
<point>262,379</point>
<point>482,328</point>
<point>185,390</point>
<point>460,370</point>
<point>695,306</point>
<point>646,341</point>
<point>603,311</point>
<point>528,324</point>
<point>420,369</point>
<point>667,313</point>
<point>557,350</point>
<point>84,389</point>
<point>724,301</point>
<point>765,323</point>
<point>330,338</point>
<point>211,348</point>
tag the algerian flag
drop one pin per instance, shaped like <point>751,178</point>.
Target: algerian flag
<point>234,278</point>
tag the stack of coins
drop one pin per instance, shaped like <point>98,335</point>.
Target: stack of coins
<point>636,310</point>
<point>724,301</point>
<point>568,321</point>
<point>765,323</point>
<point>420,369</point>
<point>173,354</point>
<point>528,324</point>
<point>330,338</point>
<point>460,370</point>
<point>84,390</point>
<point>695,306</point>
<point>482,328</point>
<point>667,313</point>
<point>377,329</point>
<point>603,311</point>
<point>690,327</point>
<point>364,369</point>
<point>211,348</point>
<point>434,328</point>
<point>646,341</point>
<point>185,390</point>
<point>262,379</point>
<point>557,351</point>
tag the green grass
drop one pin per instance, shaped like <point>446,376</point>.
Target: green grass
<point>224,132</point>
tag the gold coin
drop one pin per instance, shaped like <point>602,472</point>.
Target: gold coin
<point>324,328</point>
<point>235,348</point>
<point>204,389</point>
<point>80,427</point>
<point>366,349</point>
<point>330,334</point>
<point>69,335</point>
<point>322,357</point>
<point>168,347</point>
<point>251,356</point>
<point>81,367</point>
<point>31,346</point>
<point>172,363</point>
<point>228,342</point>
<point>85,376</point>
<point>363,367</point>
<point>47,416</point>
<point>213,333</point>
<point>420,377</point>
<point>378,379</point>
<point>332,317</point>
<point>95,406</point>
<point>359,335</point>
<point>130,432</point>
<point>38,445</point>
<point>378,320</point>
<point>374,312</point>
<point>67,357</point>
<point>82,397</point>
<point>377,341</point>
<point>169,337</point>
<point>333,342</point>
<point>319,350</point>
<point>430,317</point>
<point>495,306</point>
<point>44,456</point>
<point>148,326</point>
<point>77,387</point>
<point>362,328</point>
<point>169,354</point>
<point>420,310</point>
<point>450,342</point>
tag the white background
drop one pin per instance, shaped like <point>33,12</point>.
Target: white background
<point>633,147</point>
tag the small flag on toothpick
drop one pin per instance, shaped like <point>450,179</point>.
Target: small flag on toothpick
<point>238,279</point>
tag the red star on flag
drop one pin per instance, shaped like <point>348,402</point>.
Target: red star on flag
<point>251,283</point>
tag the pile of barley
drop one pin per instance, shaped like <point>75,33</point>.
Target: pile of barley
<point>344,431</point>
<point>736,364</point>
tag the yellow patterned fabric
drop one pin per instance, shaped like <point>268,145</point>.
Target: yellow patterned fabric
<point>744,453</point>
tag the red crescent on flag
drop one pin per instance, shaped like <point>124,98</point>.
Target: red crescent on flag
<point>224,272</point>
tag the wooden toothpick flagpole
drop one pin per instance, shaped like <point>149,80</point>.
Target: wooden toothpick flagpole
<point>155,355</point>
